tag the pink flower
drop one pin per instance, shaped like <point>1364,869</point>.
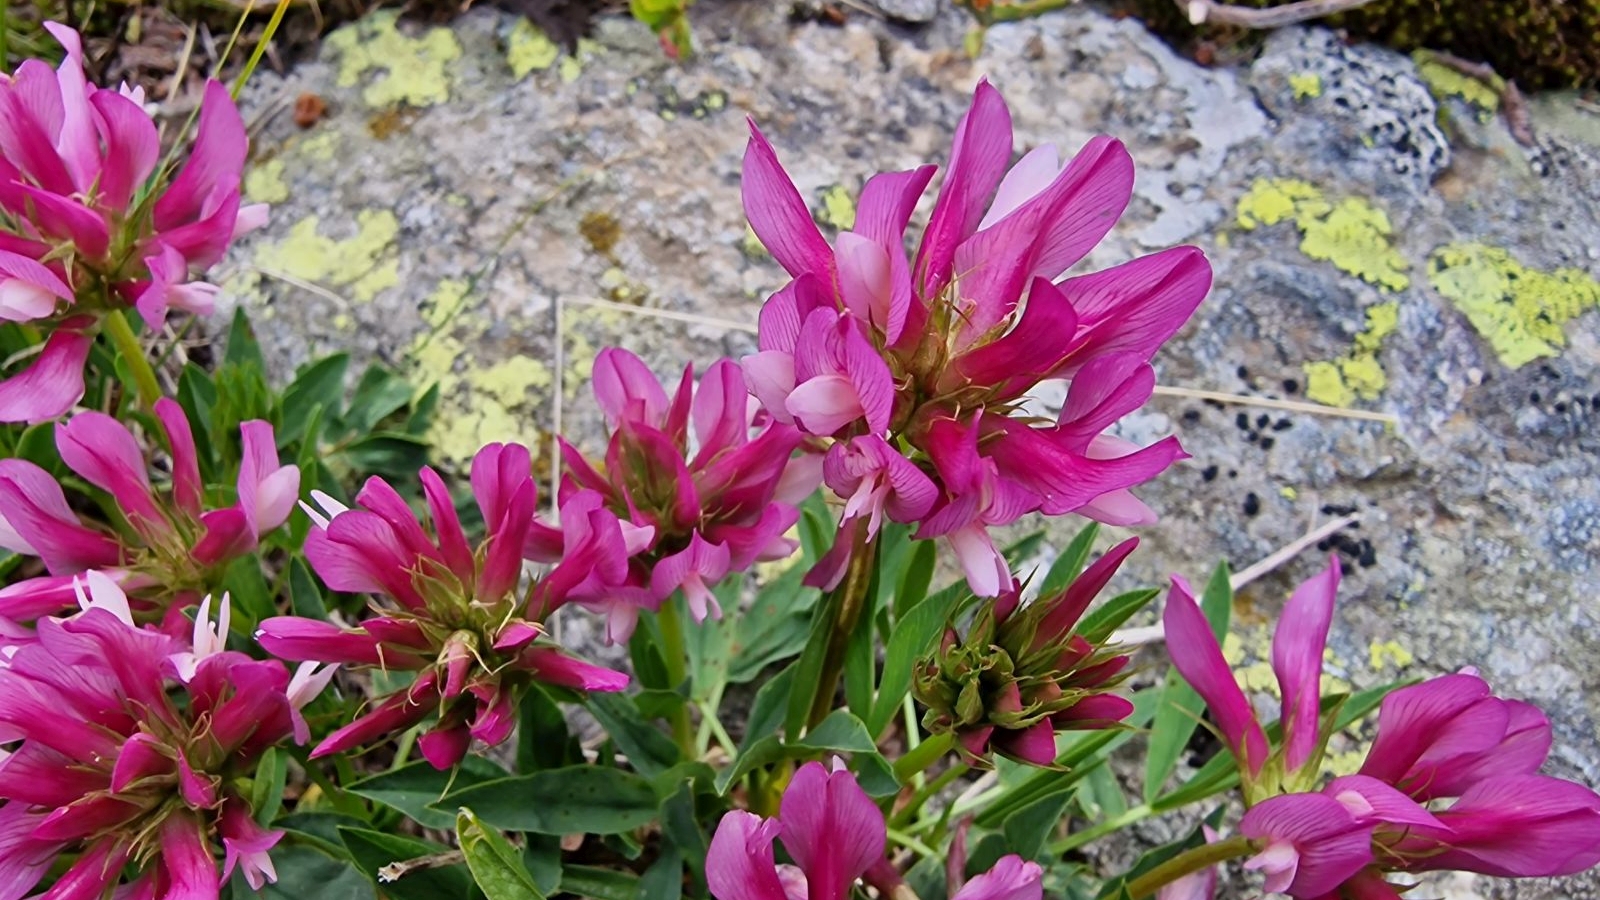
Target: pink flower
<point>1312,843</point>
<point>455,614</point>
<point>864,344</point>
<point>138,786</point>
<point>1296,658</point>
<point>1012,878</point>
<point>173,549</point>
<point>693,486</point>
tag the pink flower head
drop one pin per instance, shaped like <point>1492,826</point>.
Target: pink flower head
<point>1296,658</point>
<point>173,547</point>
<point>139,786</point>
<point>84,229</point>
<point>864,343</point>
<point>709,489</point>
<point>454,614</point>
<point>1021,674</point>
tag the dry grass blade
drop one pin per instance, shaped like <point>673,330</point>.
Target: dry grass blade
<point>1315,409</point>
<point>1202,12</point>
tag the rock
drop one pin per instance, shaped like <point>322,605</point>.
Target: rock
<point>1375,246</point>
<point>914,12</point>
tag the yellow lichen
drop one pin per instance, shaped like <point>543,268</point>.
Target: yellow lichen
<point>264,183</point>
<point>838,208</point>
<point>529,49</point>
<point>1306,85</point>
<point>1444,81</point>
<point>364,263</point>
<point>1356,237</point>
<point>1521,312</point>
<point>1356,375</point>
<point>1384,654</point>
<point>415,69</point>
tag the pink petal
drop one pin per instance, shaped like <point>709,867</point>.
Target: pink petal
<point>444,748</point>
<point>885,207</point>
<point>1315,843</point>
<point>720,411</point>
<point>770,377</point>
<point>1412,718</point>
<point>227,536</point>
<point>1104,390</point>
<point>51,384</point>
<point>1031,175</point>
<point>185,461</point>
<point>400,711</point>
<point>191,871</point>
<point>739,863</point>
<point>778,215</point>
<point>864,279</point>
<point>985,568</point>
<point>1517,826</point>
<point>1027,353</point>
<point>554,667</point>
<point>1069,606</point>
<point>978,158</point>
<point>824,404</point>
<point>107,455</point>
<point>832,829</point>
<point>297,639</point>
<point>267,491</point>
<point>625,388</point>
<point>39,521</point>
<point>1035,744</point>
<point>215,162</point>
<point>1198,658</point>
<point>132,147</point>
<point>1137,306</point>
<point>140,757</point>
<point>1372,801</point>
<point>1011,878</point>
<point>1297,647</point>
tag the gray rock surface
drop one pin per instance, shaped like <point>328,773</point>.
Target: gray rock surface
<point>1374,245</point>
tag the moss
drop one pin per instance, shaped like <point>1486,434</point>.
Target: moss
<point>1306,85</point>
<point>1540,43</point>
<point>601,230</point>
<point>365,263</point>
<point>1356,375</point>
<point>838,208</point>
<point>1521,312</point>
<point>415,70</point>
<point>1352,234</point>
<point>264,183</point>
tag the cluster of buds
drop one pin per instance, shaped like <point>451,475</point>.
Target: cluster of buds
<point>836,836</point>
<point>1450,783</point>
<point>172,549</point>
<point>1021,674</point>
<point>83,232</point>
<point>455,614</point>
<point>134,747</point>
<point>705,487</point>
<point>916,372</point>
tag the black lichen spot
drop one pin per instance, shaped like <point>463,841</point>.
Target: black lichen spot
<point>1262,420</point>
<point>1252,504</point>
<point>1243,373</point>
<point>1283,424</point>
<point>1291,386</point>
<point>1242,421</point>
<point>1209,473</point>
<point>1267,442</point>
<point>1535,397</point>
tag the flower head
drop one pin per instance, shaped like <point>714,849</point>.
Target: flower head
<point>704,487</point>
<point>1021,674</point>
<point>79,232</point>
<point>449,611</point>
<point>173,548</point>
<point>129,767</point>
<point>932,357</point>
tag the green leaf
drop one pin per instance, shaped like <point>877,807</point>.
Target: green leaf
<point>251,597</point>
<point>389,454</point>
<point>914,635</point>
<point>918,575</point>
<point>861,656</point>
<point>594,883</point>
<point>569,800</point>
<point>648,750</point>
<point>709,646</point>
<point>664,879</point>
<point>305,873</point>
<point>1098,625</point>
<point>1181,708</point>
<point>875,775</point>
<point>542,858</point>
<point>305,596</point>
<point>317,385</point>
<point>416,787</point>
<point>421,418</point>
<point>681,829</point>
<point>266,787</point>
<point>1069,565</point>
<point>543,741</point>
<point>775,626</point>
<point>375,851</point>
<point>243,349</point>
<point>379,393</point>
<point>766,713</point>
<point>808,669</point>
<point>839,732</point>
<point>496,865</point>
<point>1028,828</point>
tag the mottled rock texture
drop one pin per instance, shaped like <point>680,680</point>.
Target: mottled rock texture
<point>1379,243</point>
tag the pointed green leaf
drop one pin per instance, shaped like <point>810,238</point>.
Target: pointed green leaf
<point>496,865</point>
<point>570,800</point>
<point>1181,708</point>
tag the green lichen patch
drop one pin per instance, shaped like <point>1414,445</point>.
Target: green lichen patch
<point>1352,234</point>
<point>1306,85</point>
<point>364,264</point>
<point>264,183</point>
<point>1522,312</point>
<point>1444,82</point>
<point>529,49</point>
<point>838,208</point>
<point>414,70</point>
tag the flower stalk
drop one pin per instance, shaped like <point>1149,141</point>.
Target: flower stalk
<point>131,351</point>
<point>675,657</point>
<point>1187,863</point>
<point>846,603</point>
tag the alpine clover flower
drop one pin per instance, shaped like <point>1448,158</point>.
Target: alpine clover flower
<point>1297,646</point>
<point>1021,674</point>
<point>167,549</point>
<point>1451,783</point>
<point>84,230</point>
<point>835,834</point>
<point>454,613</point>
<point>916,370</point>
<point>708,488</point>
<point>129,767</point>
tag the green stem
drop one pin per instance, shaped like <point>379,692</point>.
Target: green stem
<point>131,351</point>
<point>927,791</point>
<point>850,596</point>
<point>1079,838</point>
<point>1187,863</point>
<point>672,650</point>
<point>922,756</point>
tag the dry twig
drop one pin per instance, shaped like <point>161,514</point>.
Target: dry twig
<point>1201,12</point>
